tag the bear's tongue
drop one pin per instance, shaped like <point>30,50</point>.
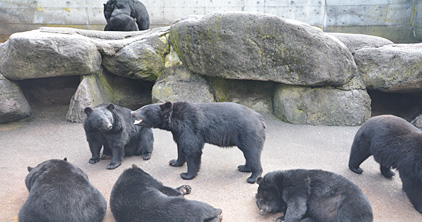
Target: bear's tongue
<point>137,122</point>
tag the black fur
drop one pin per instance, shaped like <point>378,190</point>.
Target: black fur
<point>132,8</point>
<point>61,192</point>
<point>312,195</point>
<point>221,124</point>
<point>121,22</point>
<point>138,197</point>
<point>112,126</point>
<point>394,143</point>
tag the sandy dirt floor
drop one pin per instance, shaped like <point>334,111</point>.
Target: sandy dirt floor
<point>47,135</point>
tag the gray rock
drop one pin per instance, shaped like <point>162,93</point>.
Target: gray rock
<point>179,84</point>
<point>321,106</point>
<point>141,59</point>
<point>106,88</point>
<point>13,104</point>
<point>38,54</point>
<point>391,68</point>
<point>256,46</point>
<point>358,41</point>
<point>256,95</point>
<point>417,121</point>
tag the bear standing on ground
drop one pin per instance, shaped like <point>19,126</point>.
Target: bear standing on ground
<point>112,126</point>
<point>221,124</point>
<point>395,143</point>
<point>61,192</point>
<point>131,8</point>
<point>312,195</point>
<point>137,197</point>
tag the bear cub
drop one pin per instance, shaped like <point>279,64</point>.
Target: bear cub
<point>394,143</point>
<point>111,126</point>
<point>192,125</point>
<point>138,197</point>
<point>61,192</point>
<point>312,195</point>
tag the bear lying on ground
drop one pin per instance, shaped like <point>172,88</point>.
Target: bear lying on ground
<point>138,197</point>
<point>221,124</point>
<point>132,8</point>
<point>61,192</point>
<point>312,195</point>
<point>112,126</point>
<point>394,143</point>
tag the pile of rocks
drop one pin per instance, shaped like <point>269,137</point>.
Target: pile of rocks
<point>288,68</point>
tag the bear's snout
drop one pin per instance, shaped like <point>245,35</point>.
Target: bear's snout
<point>263,210</point>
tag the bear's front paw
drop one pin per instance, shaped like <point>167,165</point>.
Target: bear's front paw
<point>94,160</point>
<point>113,165</point>
<point>174,163</point>
<point>357,170</point>
<point>244,168</point>
<point>185,189</point>
<point>186,176</point>
<point>146,156</point>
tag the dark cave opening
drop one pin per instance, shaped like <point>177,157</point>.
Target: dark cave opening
<point>405,105</point>
<point>49,91</point>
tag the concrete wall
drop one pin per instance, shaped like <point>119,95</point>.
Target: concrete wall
<point>397,20</point>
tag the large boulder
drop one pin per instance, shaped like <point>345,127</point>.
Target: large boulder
<point>140,59</point>
<point>391,68</point>
<point>13,104</point>
<point>358,41</point>
<point>254,46</point>
<point>179,84</point>
<point>38,54</point>
<point>107,88</point>
<point>322,105</point>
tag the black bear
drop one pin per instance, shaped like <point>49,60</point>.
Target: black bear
<point>394,143</point>
<point>138,197</point>
<point>121,22</point>
<point>112,126</point>
<point>61,192</point>
<point>222,124</point>
<point>312,195</point>
<point>132,8</point>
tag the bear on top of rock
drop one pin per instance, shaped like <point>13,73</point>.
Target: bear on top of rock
<point>61,192</point>
<point>192,125</point>
<point>394,143</point>
<point>131,8</point>
<point>138,197</point>
<point>112,126</point>
<point>312,195</point>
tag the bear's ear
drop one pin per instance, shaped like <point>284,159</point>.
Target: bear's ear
<point>30,168</point>
<point>259,180</point>
<point>88,111</point>
<point>166,106</point>
<point>110,107</point>
<point>134,166</point>
<point>65,159</point>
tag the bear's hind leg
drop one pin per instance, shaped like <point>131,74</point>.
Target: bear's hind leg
<point>386,172</point>
<point>117,158</point>
<point>358,154</point>
<point>252,164</point>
